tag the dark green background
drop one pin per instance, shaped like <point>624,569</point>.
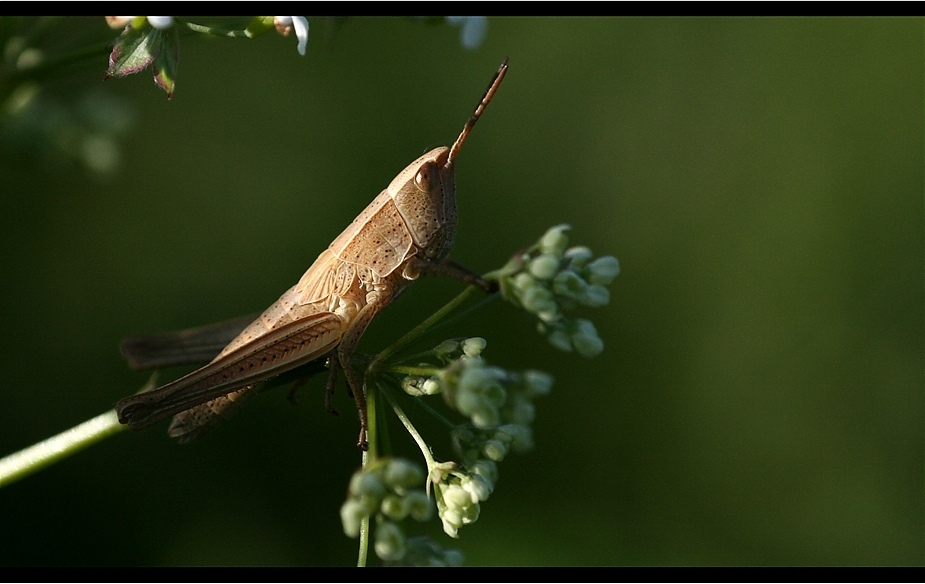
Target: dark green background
<point>759,399</point>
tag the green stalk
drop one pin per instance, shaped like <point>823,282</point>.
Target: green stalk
<point>421,328</point>
<point>51,450</point>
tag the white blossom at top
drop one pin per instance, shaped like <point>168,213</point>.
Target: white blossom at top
<point>299,23</point>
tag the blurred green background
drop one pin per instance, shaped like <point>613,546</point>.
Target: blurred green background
<point>759,399</point>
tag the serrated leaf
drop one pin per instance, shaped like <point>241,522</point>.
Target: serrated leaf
<point>167,61</point>
<point>134,50</point>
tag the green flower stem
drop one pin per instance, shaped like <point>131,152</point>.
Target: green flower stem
<point>372,450</point>
<point>419,440</point>
<point>38,456</point>
<point>410,370</point>
<point>215,31</point>
<point>364,542</point>
<point>369,456</point>
<point>421,328</point>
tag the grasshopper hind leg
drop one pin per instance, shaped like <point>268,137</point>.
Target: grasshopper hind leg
<point>196,421</point>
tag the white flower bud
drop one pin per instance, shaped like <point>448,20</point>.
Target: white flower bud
<point>537,382</point>
<point>477,488</point>
<point>401,473</point>
<point>364,484</point>
<point>394,507</point>
<point>486,469</point>
<point>413,385</point>
<point>569,284</point>
<point>595,296</point>
<point>578,256</point>
<point>603,270</point>
<point>419,506</point>
<point>486,418</point>
<point>352,514</point>
<point>445,348</point>
<point>390,541</point>
<point>470,514</point>
<point>538,299</point>
<point>431,386</point>
<point>474,378</point>
<point>560,340</point>
<point>494,394</point>
<point>473,347</point>
<point>469,402</point>
<point>554,241</point>
<point>523,280</point>
<point>586,340</point>
<point>544,266</point>
<point>456,497</point>
<point>161,22</point>
<point>495,450</point>
<point>451,523</point>
<point>549,315</point>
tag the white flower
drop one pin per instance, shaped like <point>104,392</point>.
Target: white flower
<point>158,22</point>
<point>285,24</point>
<point>161,22</point>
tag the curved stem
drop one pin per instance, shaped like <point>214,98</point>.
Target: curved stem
<point>418,439</point>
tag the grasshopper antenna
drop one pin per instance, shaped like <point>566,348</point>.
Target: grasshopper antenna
<point>489,93</point>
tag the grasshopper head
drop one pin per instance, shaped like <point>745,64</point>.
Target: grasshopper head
<point>425,195</point>
<point>425,192</point>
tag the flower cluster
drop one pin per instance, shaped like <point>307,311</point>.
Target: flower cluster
<point>158,46</point>
<point>459,490</point>
<point>493,399</point>
<point>499,406</point>
<point>388,490</point>
<point>550,279</point>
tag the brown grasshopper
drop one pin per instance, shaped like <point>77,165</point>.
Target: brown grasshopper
<point>407,230</point>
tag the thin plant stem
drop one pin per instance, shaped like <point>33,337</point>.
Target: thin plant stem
<point>214,31</point>
<point>410,370</point>
<point>364,542</point>
<point>48,451</point>
<point>51,450</point>
<point>418,439</point>
<point>422,328</point>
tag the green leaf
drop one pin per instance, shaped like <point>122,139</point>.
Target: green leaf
<point>134,50</point>
<point>167,61</point>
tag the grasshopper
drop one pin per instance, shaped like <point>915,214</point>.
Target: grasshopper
<point>407,230</point>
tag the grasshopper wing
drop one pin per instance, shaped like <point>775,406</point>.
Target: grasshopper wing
<point>185,347</point>
<point>275,352</point>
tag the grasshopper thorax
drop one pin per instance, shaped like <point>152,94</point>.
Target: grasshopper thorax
<point>425,195</point>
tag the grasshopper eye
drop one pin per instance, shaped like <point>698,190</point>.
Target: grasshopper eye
<point>426,177</point>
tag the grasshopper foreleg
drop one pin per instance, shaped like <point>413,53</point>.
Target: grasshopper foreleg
<point>451,269</point>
